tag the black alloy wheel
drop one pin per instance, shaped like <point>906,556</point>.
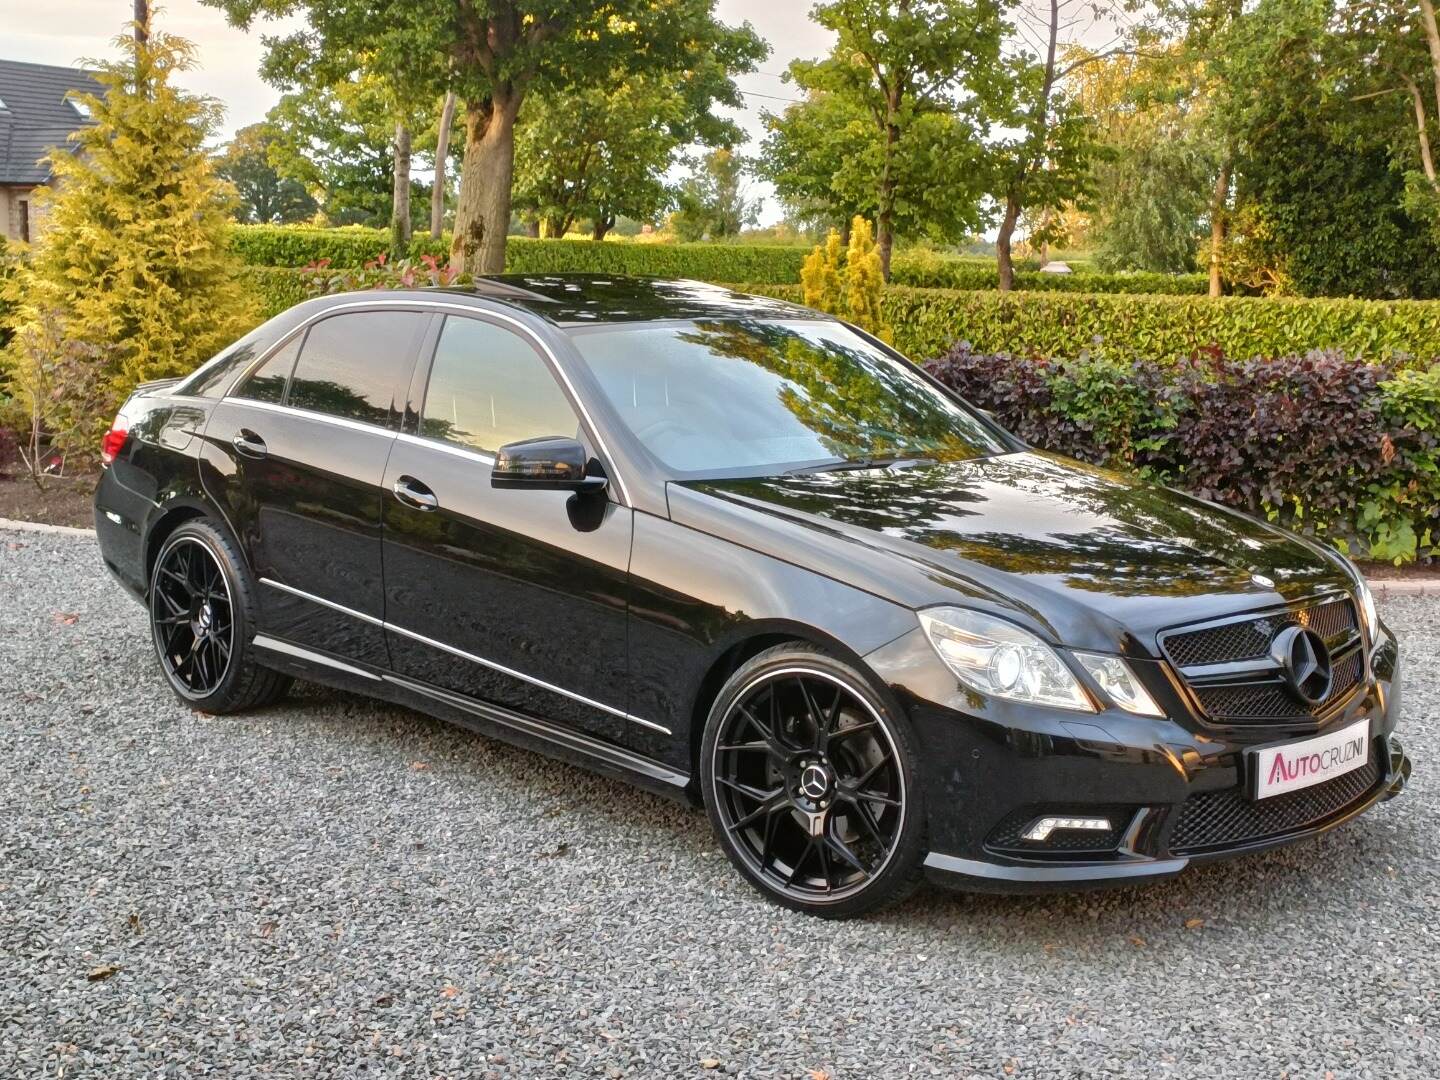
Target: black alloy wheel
<point>202,613</point>
<point>193,617</point>
<point>809,785</point>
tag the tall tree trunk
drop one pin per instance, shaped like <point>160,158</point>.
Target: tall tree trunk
<point>885,218</point>
<point>142,21</point>
<point>1218,199</point>
<point>482,211</point>
<point>1004,257</point>
<point>442,155</point>
<point>603,224</point>
<point>400,199</point>
<point>1432,38</point>
<point>1427,159</point>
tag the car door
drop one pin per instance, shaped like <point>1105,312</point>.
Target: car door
<point>516,598</point>
<point>295,455</point>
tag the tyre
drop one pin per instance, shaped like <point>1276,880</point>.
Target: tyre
<point>809,781</point>
<point>202,619</point>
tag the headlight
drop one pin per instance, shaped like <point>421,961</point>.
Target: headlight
<point>1119,683</point>
<point>1369,617</point>
<point>1000,659</point>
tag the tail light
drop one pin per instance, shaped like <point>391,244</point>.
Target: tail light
<point>115,438</point>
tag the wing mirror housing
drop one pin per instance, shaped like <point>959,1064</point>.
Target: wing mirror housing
<point>551,463</point>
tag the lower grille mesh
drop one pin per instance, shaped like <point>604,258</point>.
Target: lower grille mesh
<point>1226,818</point>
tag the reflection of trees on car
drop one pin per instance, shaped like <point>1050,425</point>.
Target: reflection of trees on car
<point>858,404</point>
<point>334,399</point>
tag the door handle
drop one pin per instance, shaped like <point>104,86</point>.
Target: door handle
<point>414,494</point>
<point>249,444</point>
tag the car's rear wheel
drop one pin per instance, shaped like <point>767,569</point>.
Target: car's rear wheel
<point>202,619</point>
<point>808,778</point>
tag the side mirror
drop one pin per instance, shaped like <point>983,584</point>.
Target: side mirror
<point>552,463</point>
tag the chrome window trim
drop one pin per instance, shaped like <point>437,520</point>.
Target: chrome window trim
<point>310,414</point>
<point>449,448</point>
<point>462,654</point>
<point>470,312</point>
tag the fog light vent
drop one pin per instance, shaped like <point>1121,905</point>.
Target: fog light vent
<point>1041,829</point>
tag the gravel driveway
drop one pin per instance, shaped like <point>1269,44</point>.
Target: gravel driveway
<point>339,888</point>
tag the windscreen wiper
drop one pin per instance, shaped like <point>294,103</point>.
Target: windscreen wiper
<point>873,461</point>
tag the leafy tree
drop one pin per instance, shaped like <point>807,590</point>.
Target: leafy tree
<point>820,154</point>
<point>921,70</point>
<point>134,260</point>
<point>266,197</point>
<point>714,200</point>
<point>335,141</point>
<point>494,54</point>
<point>1046,162</point>
<point>1150,187</point>
<point>602,152</point>
<point>1320,188</point>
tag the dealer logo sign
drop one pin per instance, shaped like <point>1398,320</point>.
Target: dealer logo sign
<point>1296,765</point>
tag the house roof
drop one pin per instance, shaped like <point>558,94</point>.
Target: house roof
<point>34,116</point>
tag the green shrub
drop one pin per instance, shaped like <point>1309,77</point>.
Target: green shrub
<point>929,321</point>
<point>1316,442</point>
<point>294,246</point>
<point>927,270</point>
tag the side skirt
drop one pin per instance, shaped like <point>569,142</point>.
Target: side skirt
<point>516,728</point>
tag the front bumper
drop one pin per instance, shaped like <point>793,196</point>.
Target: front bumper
<point>1176,792</point>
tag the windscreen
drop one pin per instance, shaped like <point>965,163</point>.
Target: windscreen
<point>709,397</point>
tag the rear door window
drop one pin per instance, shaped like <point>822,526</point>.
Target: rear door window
<point>354,366</point>
<point>489,387</point>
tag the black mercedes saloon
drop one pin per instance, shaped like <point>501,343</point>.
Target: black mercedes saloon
<point>746,555</point>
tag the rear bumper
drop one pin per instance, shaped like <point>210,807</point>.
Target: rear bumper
<point>120,521</point>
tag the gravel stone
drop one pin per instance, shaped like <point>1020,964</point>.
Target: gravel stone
<point>337,887</point>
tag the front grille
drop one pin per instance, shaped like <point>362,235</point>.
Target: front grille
<point>1261,704</point>
<point>1258,696</point>
<point>1220,819</point>
<point>1249,639</point>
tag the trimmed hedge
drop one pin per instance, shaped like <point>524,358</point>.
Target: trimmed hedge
<point>929,321</point>
<point>276,245</point>
<point>926,322</point>
<point>1344,451</point>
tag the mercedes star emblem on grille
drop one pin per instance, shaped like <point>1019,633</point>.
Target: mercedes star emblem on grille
<point>1304,662</point>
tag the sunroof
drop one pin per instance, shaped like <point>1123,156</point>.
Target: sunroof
<point>80,107</point>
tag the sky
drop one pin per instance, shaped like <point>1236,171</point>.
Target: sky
<point>67,32</point>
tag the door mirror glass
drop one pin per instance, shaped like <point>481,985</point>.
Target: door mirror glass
<point>553,463</point>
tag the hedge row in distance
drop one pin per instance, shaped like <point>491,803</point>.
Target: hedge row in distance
<point>928,321</point>
<point>290,246</point>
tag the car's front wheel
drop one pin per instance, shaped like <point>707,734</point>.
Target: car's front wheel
<point>202,619</point>
<point>809,781</point>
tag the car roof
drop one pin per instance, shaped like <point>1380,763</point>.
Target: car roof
<point>583,299</point>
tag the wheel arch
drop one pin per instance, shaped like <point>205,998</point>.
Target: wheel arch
<point>170,518</point>
<point>755,639</point>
